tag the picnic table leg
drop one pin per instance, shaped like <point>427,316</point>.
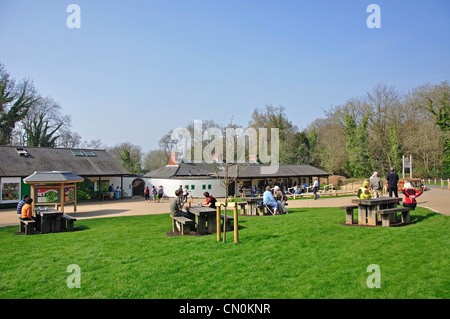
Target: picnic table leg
<point>212,223</point>
<point>372,215</point>
<point>45,224</point>
<point>201,225</point>
<point>349,216</point>
<point>362,214</point>
<point>56,224</point>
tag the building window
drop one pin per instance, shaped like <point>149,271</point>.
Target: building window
<point>192,187</point>
<point>203,186</point>
<point>10,188</point>
<point>187,186</point>
<point>209,186</point>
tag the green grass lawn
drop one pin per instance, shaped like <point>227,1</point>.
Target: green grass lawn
<point>305,254</point>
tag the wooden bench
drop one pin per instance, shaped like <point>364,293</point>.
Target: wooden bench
<point>185,222</point>
<point>261,209</point>
<point>27,226</point>
<point>387,213</point>
<point>242,207</point>
<point>349,213</point>
<point>67,223</point>
<point>228,221</point>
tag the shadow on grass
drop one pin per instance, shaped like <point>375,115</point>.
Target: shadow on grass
<point>420,218</point>
<point>97,213</point>
<point>262,237</point>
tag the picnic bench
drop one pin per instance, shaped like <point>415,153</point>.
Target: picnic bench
<point>349,213</point>
<point>186,224</point>
<point>367,208</point>
<point>27,226</point>
<point>228,221</point>
<point>390,214</point>
<point>67,223</point>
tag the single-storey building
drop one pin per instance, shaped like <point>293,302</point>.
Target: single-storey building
<point>97,166</point>
<point>201,177</point>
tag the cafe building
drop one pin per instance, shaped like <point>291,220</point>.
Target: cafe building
<point>201,177</point>
<point>97,167</point>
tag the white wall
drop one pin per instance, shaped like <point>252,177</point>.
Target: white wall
<point>171,185</point>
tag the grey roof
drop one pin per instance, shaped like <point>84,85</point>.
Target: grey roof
<point>245,171</point>
<point>52,176</point>
<point>254,171</point>
<point>182,170</point>
<point>13,164</point>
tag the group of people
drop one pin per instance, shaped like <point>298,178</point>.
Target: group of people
<point>178,202</point>
<point>276,200</point>
<point>156,194</point>
<point>374,188</point>
<point>114,193</point>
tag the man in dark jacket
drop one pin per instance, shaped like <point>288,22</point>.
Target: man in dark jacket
<point>391,182</point>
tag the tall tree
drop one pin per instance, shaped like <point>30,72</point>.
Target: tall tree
<point>129,155</point>
<point>43,123</point>
<point>442,114</point>
<point>15,101</point>
<point>360,162</point>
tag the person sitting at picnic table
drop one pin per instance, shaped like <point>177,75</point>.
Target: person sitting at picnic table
<point>210,200</point>
<point>27,210</point>
<point>281,199</point>
<point>364,192</point>
<point>176,206</point>
<point>21,203</point>
<point>268,200</point>
<point>410,195</point>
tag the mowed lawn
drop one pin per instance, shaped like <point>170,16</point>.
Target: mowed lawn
<point>305,254</point>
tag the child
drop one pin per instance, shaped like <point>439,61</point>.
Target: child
<point>410,195</point>
<point>364,192</point>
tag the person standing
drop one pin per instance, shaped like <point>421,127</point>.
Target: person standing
<point>185,193</point>
<point>316,188</point>
<point>160,193</point>
<point>147,194</point>
<point>391,182</point>
<point>376,185</point>
<point>111,191</point>
<point>154,194</point>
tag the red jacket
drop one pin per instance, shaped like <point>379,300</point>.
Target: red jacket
<point>411,192</point>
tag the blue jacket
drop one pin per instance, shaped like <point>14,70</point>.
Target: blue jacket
<point>268,197</point>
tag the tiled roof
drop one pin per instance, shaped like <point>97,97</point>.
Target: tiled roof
<point>101,163</point>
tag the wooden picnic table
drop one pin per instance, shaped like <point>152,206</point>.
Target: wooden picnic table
<point>50,220</point>
<point>206,219</point>
<point>367,208</point>
<point>252,206</point>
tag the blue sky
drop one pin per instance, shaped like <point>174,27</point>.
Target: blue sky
<point>137,69</point>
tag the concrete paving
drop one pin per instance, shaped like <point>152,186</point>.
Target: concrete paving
<point>435,199</point>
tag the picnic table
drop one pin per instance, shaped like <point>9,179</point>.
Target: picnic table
<point>49,220</point>
<point>252,204</point>
<point>206,219</point>
<point>367,209</point>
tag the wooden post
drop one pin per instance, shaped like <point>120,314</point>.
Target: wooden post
<point>236,234</point>
<point>442,184</point>
<point>218,222</point>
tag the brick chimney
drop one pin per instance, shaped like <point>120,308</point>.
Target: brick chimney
<point>172,160</point>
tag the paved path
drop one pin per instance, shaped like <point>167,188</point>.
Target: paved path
<point>435,199</point>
